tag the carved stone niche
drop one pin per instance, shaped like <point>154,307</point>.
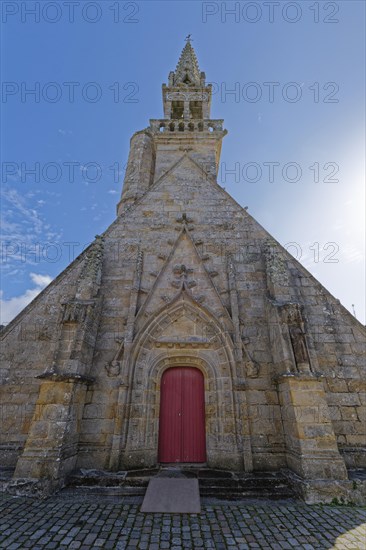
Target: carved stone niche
<point>296,326</point>
<point>251,367</point>
<point>113,367</point>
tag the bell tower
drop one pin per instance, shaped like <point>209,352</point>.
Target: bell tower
<point>187,98</point>
<point>187,125</point>
<point>186,129</point>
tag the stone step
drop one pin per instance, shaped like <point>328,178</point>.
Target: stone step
<point>241,492</point>
<point>207,492</point>
<point>212,483</point>
<point>79,481</point>
<point>247,483</point>
<point>102,491</point>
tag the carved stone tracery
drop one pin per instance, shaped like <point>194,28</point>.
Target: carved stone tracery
<point>187,96</point>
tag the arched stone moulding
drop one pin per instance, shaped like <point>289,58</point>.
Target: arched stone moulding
<point>153,353</point>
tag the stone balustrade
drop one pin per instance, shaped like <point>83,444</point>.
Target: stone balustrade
<point>192,125</point>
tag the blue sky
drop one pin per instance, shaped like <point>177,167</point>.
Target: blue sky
<point>295,121</point>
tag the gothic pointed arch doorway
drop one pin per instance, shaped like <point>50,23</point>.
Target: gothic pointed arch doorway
<point>182,436</point>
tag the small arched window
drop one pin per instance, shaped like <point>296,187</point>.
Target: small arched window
<point>177,109</point>
<point>195,109</point>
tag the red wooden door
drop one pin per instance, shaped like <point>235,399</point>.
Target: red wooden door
<point>182,416</point>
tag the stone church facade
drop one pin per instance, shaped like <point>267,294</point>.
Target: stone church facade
<point>185,333</point>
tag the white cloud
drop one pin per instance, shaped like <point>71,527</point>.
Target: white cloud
<point>64,132</point>
<point>10,308</point>
<point>40,280</point>
<point>113,192</point>
<point>22,229</point>
<point>18,206</point>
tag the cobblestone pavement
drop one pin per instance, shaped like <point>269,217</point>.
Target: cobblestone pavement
<point>99,522</point>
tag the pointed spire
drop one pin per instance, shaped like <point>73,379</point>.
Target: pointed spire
<point>187,71</point>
